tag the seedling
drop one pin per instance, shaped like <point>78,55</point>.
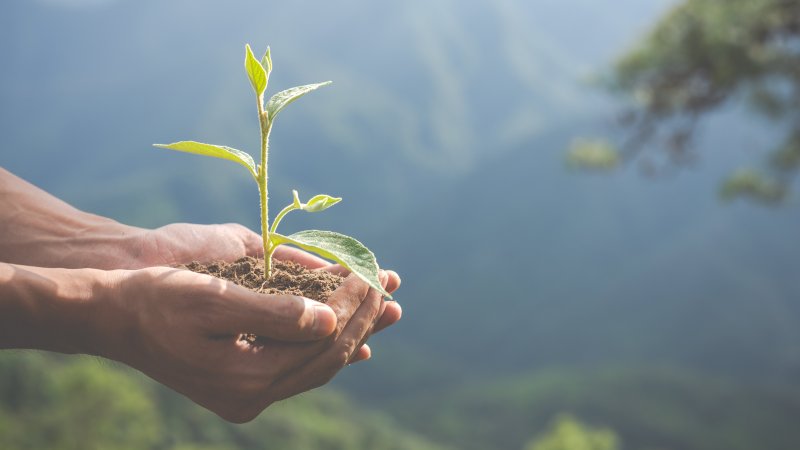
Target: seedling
<point>330,245</point>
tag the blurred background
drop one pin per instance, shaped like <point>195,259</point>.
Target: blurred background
<point>590,203</point>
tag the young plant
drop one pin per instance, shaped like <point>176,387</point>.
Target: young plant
<point>343,249</point>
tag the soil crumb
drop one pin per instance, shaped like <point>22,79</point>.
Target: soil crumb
<point>287,277</point>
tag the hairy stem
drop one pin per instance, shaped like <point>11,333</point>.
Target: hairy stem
<point>266,127</point>
<point>280,215</point>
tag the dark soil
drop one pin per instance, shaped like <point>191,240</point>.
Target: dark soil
<point>287,277</point>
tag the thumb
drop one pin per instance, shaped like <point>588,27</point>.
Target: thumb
<point>252,242</point>
<point>280,317</point>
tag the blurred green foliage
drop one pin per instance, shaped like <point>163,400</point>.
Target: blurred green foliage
<point>592,154</point>
<point>753,184</point>
<point>647,407</point>
<point>568,433</point>
<point>80,403</point>
<point>700,57</point>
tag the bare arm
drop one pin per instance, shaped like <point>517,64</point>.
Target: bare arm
<point>38,229</point>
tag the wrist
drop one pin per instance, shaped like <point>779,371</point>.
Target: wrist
<point>58,310</point>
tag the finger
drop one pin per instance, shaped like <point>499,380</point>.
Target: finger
<point>381,308</point>
<point>322,368</point>
<point>282,317</point>
<point>390,316</point>
<point>355,332</point>
<point>362,354</point>
<point>336,269</point>
<point>346,299</point>
<point>253,245</point>
<point>393,283</point>
<point>286,253</point>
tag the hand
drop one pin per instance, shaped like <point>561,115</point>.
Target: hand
<point>182,329</point>
<point>390,311</point>
<point>182,243</point>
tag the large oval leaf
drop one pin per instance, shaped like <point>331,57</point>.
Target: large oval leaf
<point>348,252</point>
<point>217,151</point>
<point>279,101</point>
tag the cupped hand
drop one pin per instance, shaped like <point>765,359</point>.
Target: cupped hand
<point>183,329</point>
<point>390,312</point>
<point>182,243</point>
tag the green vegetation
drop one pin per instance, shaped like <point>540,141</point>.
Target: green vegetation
<point>592,154</point>
<point>702,56</point>
<point>753,184</point>
<point>648,408</point>
<point>568,433</point>
<point>80,403</point>
<point>343,249</point>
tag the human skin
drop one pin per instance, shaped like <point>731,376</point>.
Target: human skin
<point>74,282</point>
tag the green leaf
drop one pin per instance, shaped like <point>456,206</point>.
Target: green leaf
<point>266,62</point>
<point>283,98</point>
<point>296,200</point>
<point>320,202</point>
<point>348,252</point>
<point>217,151</point>
<point>255,71</point>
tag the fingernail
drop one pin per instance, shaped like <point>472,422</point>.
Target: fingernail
<point>324,320</point>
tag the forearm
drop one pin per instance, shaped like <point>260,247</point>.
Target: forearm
<point>40,230</point>
<point>52,309</point>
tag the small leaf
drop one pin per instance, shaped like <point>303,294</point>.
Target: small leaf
<point>320,202</point>
<point>283,98</point>
<point>255,71</point>
<point>217,151</point>
<point>296,200</point>
<point>348,252</point>
<point>266,62</point>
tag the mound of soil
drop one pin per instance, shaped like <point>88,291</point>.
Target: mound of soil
<point>287,277</point>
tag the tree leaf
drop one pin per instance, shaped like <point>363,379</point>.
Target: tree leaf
<point>283,98</point>
<point>348,252</point>
<point>255,71</point>
<point>217,151</point>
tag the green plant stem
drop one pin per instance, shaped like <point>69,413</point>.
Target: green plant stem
<point>266,127</point>
<point>280,215</point>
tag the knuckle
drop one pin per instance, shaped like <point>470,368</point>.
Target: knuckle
<point>340,359</point>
